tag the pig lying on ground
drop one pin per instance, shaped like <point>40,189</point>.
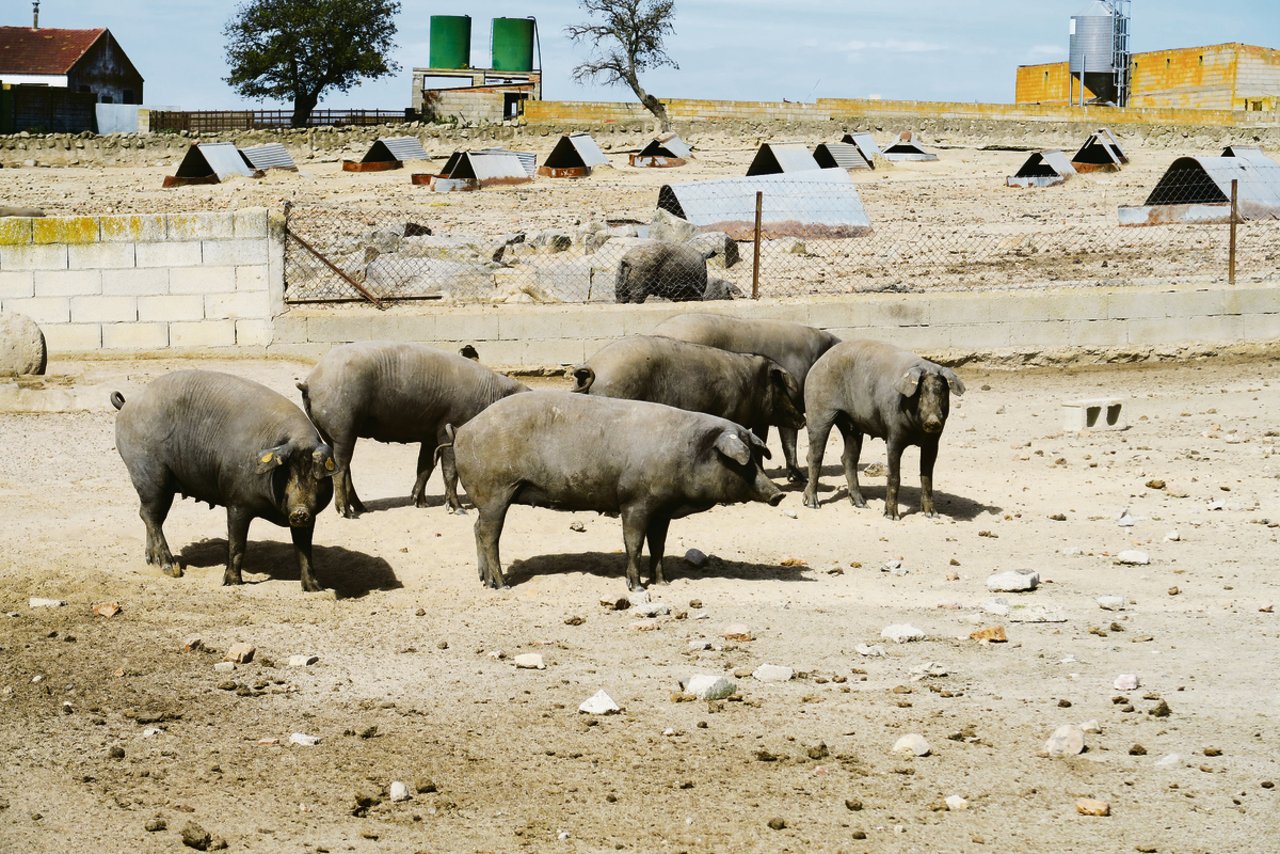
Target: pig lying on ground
<point>228,441</point>
<point>794,346</point>
<point>648,462</point>
<point>873,388</point>
<point>397,393</point>
<point>747,389</point>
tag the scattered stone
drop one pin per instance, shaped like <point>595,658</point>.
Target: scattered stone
<point>303,740</point>
<point>652,609</point>
<point>955,803</point>
<point>790,514</point>
<point>638,597</point>
<point>870,650</point>
<point>1168,760</point>
<point>928,669</point>
<point>695,604</point>
<point>1137,750</point>
<point>859,834</point>
<point>115,752</point>
<point>996,606</point>
<point>1035,614</point>
<point>22,346</point>
<point>1067,740</point>
<point>737,632</point>
<point>1174,590</point>
<point>853,805</point>
<point>151,732</point>
<point>1212,751</point>
<point>912,744</point>
<point>106,609</point>
<point>599,703</point>
<point>772,673</point>
<point>902,633</point>
<point>38,602</point>
<point>1089,806</point>
<point>240,653</point>
<point>616,604</point>
<point>894,567</point>
<point>699,645</point>
<point>1014,581</point>
<point>818,752</point>
<point>577,527</point>
<point>1173,536</point>
<point>420,612</point>
<point>644,626</point>
<point>777,823</point>
<point>1091,726</point>
<point>1155,483</point>
<point>530,661</point>
<point>1126,682</point>
<point>302,660</point>
<point>1125,520</point>
<point>992,634</point>
<point>709,687</point>
<point>1161,710</point>
<point>225,666</point>
<point>695,557</point>
<point>399,791</point>
<point>1058,517</point>
<point>1133,557</point>
<point>574,620</point>
<point>192,644</point>
<point>1111,603</point>
<point>195,836</point>
<point>154,825</point>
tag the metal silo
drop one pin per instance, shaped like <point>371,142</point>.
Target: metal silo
<point>1092,39</point>
<point>450,41</point>
<point>513,43</point>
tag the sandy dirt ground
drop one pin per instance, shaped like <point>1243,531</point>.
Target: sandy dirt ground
<point>108,727</point>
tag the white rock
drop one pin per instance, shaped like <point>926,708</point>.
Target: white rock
<point>225,666</point>
<point>1111,603</point>
<point>38,602</point>
<point>699,645</point>
<point>151,732</point>
<point>1126,521</point>
<point>1067,740</point>
<point>894,567</point>
<point>912,744</point>
<point>790,514</point>
<point>997,606</point>
<point>902,633</point>
<point>303,740</point>
<point>530,661</point>
<point>1133,557</point>
<point>1126,682</point>
<point>399,791</point>
<point>1091,726</point>
<point>38,678</point>
<point>669,731</point>
<point>709,687</point>
<point>1218,504</point>
<point>772,673</point>
<point>1168,760</point>
<point>652,609</point>
<point>638,597</point>
<point>956,803</point>
<point>931,668</point>
<point>696,557</point>
<point>302,660</point>
<point>870,650</point>
<point>1072,551</point>
<point>1173,536</point>
<point>599,703</point>
<point>496,654</point>
<point>1014,581</point>
<point>1035,614</point>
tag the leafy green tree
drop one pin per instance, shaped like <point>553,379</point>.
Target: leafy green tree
<point>297,49</point>
<point>626,37</point>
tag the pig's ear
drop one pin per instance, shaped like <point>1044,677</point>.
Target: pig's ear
<point>324,464</point>
<point>272,457</point>
<point>783,379</point>
<point>733,448</point>
<point>910,381</point>
<point>757,442</point>
<point>953,381</point>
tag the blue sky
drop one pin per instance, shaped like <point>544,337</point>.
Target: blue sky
<point>727,49</point>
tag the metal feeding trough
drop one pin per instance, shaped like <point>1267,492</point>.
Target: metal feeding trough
<point>1043,169</point>
<point>774,158</point>
<point>387,153</point>
<point>866,145</point>
<point>574,156</point>
<point>840,155</point>
<point>816,204</point>
<point>1101,152</point>
<point>269,155</point>
<point>211,163</point>
<point>1198,189</point>
<point>663,152</point>
<point>907,147</point>
<point>472,170</point>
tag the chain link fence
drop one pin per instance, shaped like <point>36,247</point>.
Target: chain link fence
<point>800,238</point>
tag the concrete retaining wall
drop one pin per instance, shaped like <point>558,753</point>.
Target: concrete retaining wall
<point>958,326</point>
<point>145,283</point>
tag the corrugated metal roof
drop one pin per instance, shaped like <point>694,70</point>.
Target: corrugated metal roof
<point>1043,169</point>
<point>817,203</point>
<point>1207,180</point>
<point>395,149</point>
<point>842,155</point>
<point>907,147</point>
<point>220,160</point>
<point>866,143</point>
<point>490,167</point>
<point>667,145</point>
<point>1100,152</point>
<point>774,158</point>
<point>44,51</point>
<point>1105,133</point>
<point>269,155</point>
<point>1249,152</point>
<point>575,151</point>
<point>528,159</point>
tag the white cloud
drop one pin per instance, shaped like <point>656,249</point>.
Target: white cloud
<point>893,46</point>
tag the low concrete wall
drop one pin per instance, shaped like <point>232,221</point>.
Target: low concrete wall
<point>144,283</point>
<point>955,326</point>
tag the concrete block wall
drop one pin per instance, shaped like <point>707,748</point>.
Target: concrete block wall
<point>139,283</point>
<point>959,325</point>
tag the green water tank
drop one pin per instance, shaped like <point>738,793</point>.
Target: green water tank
<point>450,41</point>
<point>513,43</point>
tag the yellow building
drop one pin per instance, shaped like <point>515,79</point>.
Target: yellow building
<point>1218,77</point>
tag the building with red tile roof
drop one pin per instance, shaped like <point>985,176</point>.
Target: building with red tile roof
<point>82,61</point>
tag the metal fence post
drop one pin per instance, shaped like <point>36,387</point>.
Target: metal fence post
<point>1235,209</point>
<point>755,260</point>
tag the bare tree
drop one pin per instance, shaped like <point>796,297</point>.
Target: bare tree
<point>626,38</point>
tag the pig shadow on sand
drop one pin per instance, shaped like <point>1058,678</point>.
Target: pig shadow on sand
<point>606,565</point>
<point>350,574</point>
<point>833,492</point>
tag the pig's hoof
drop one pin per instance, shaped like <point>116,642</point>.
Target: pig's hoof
<point>811,502</point>
<point>458,511</point>
<point>173,569</point>
<point>860,503</point>
<point>311,586</point>
<point>795,476</point>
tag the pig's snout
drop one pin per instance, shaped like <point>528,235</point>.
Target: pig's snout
<point>776,498</point>
<point>933,424</point>
<point>766,490</point>
<point>300,517</point>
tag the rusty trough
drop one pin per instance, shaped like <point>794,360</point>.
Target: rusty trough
<point>907,147</point>
<point>1043,169</point>
<point>1101,152</point>
<point>662,152</point>
<point>211,163</point>
<point>574,156</point>
<point>1199,190</point>
<point>387,153</point>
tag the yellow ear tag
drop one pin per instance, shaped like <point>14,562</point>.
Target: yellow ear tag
<point>328,464</point>
<point>266,458</point>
